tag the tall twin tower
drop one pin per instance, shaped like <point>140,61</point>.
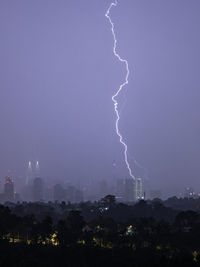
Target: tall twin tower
<point>32,173</point>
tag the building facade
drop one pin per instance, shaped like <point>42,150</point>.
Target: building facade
<point>8,189</point>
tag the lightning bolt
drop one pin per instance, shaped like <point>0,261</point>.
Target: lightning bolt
<point>114,97</point>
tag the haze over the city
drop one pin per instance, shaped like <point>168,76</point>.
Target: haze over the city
<point>58,74</point>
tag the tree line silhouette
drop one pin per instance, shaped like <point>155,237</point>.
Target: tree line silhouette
<point>103,233</point>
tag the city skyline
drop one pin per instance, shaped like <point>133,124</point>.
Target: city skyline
<point>34,187</point>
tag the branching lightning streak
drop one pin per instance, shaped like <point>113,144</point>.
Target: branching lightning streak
<point>114,4</point>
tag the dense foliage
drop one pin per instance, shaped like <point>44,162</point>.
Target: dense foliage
<point>103,233</point>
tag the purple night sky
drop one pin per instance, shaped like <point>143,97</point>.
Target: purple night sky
<point>58,74</point>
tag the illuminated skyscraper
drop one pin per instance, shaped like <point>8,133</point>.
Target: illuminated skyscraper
<point>29,175</point>
<point>9,189</point>
<point>133,190</point>
<point>37,169</point>
<point>138,188</point>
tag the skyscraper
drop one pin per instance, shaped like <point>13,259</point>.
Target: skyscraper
<point>133,190</point>
<point>138,188</point>
<point>29,175</point>
<point>37,169</point>
<point>120,188</point>
<point>38,189</point>
<point>130,191</point>
<point>9,189</point>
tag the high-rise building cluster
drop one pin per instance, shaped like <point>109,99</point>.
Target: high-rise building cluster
<point>35,188</point>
